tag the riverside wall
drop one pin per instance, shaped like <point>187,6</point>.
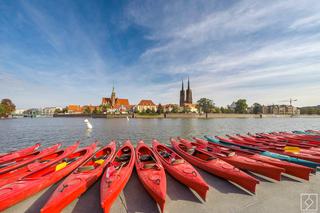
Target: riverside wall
<point>184,116</point>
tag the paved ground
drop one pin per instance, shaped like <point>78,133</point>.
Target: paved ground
<point>223,197</point>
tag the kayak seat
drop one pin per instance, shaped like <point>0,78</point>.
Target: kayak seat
<point>124,157</point>
<point>126,150</point>
<point>191,151</point>
<point>145,158</point>
<point>164,154</point>
<point>85,168</point>
<point>149,165</point>
<point>177,161</point>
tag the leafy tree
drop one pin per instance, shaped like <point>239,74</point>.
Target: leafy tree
<point>205,105</point>
<point>57,111</point>
<point>95,111</point>
<point>2,111</point>
<point>148,111</point>
<point>175,109</point>
<point>186,109</point>
<point>257,108</point>
<point>217,110</point>
<point>7,107</point>
<point>241,106</point>
<point>160,109</point>
<point>65,110</point>
<point>86,110</point>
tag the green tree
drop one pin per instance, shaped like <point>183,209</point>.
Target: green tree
<point>86,110</point>
<point>148,111</point>
<point>241,106</point>
<point>7,107</point>
<point>205,105</point>
<point>160,109</point>
<point>2,111</point>
<point>57,111</point>
<point>95,111</point>
<point>257,108</point>
<point>175,109</point>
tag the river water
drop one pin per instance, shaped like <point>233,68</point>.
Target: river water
<point>18,133</point>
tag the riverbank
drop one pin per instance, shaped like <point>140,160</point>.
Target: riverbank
<point>183,115</point>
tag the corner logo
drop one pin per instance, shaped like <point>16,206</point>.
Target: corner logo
<point>309,202</point>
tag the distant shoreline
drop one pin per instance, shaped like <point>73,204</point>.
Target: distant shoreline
<point>183,116</point>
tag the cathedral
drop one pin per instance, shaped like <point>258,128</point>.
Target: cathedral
<point>185,96</point>
<point>120,104</point>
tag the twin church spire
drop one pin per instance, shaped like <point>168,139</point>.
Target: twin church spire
<point>185,96</point>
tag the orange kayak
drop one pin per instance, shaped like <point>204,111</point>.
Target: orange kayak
<point>21,161</point>
<point>19,153</point>
<point>241,162</point>
<point>151,173</point>
<point>215,166</point>
<point>180,169</point>
<point>42,162</point>
<point>80,180</point>
<point>116,175</point>
<point>29,185</point>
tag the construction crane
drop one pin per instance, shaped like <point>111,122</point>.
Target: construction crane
<point>290,101</point>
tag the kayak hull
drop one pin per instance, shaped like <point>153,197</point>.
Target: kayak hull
<point>153,179</point>
<point>29,185</point>
<point>19,153</point>
<point>112,183</point>
<point>183,172</point>
<point>242,162</point>
<point>42,162</point>
<point>79,181</point>
<point>217,167</point>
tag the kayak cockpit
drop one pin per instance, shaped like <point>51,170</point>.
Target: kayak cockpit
<point>196,153</point>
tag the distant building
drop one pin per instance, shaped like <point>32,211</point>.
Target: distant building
<point>146,104</point>
<point>170,107</point>
<point>19,111</point>
<point>185,97</point>
<point>191,107</point>
<point>74,109</point>
<point>280,110</point>
<point>49,111</point>
<point>116,104</point>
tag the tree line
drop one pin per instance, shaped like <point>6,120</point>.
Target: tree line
<point>6,107</point>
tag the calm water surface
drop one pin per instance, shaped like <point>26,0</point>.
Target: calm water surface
<point>17,133</point>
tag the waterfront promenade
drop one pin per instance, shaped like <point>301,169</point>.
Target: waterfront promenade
<point>283,196</point>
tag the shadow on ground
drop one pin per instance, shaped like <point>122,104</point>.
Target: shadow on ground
<point>39,202</point>
<point>90,200</point>
<point>137,198</point>
<point>221,185</point>
<point>178,191</point>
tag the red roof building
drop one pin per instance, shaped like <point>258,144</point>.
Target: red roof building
<point>146,104</point>
<point>116,104</point>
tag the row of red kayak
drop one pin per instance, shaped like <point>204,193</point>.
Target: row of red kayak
<point>28,171</point>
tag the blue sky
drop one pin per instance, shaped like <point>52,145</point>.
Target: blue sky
<point>54,53</point>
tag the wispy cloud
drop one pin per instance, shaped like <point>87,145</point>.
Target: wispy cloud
<point>262,51</point>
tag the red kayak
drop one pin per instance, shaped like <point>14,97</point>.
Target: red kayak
<point>240,161</point>
<point>80,180</point>
<point>42,162</point>
<point>31,184</point>
<point>180,169</point>
<point>116,175</point>
<point>290,168</point>
<point>279,150</point>
<point>151,173</point>
<point>215,166</point>
<point>21,161</point>
<point>19,153</point>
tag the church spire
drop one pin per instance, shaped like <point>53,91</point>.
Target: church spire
<point>189,93</point>
<point>182,85</point>
<point>188,83</point>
